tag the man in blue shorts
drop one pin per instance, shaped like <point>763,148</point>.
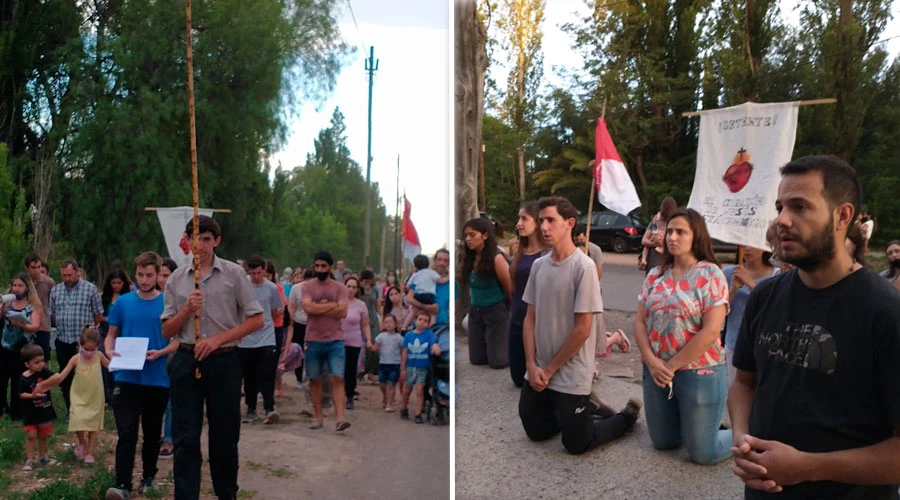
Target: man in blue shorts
<point>325,303</point>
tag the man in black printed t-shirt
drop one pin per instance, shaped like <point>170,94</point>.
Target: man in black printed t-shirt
<point>815,406</point>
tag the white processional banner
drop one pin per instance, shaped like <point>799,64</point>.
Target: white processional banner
<point>173,221</point>
<point>740,151</point>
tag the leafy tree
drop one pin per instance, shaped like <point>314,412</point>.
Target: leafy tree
<point>520,23</point>
<point>13,220</point>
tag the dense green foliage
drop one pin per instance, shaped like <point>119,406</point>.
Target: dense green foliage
<point>651,60</point>
<point>93,109</point>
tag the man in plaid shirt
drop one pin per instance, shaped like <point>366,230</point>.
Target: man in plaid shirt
<point>74,303</point>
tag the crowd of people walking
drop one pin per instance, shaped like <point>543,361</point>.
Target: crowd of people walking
<point>252,327</point>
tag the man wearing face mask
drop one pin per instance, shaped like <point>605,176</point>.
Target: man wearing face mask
<point>325,302</point>
<point>893,269</point>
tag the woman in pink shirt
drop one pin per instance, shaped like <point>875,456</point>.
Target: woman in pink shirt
<point>356,329</point>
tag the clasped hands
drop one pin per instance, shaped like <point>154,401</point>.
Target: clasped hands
<point>768,465</point>
<point>539,377</point>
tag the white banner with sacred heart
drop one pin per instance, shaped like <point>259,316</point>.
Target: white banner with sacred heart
<point>173,221</point>
<point>740,151</point>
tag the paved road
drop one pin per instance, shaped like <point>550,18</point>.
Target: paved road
<point>621,281</point>
<point>495,460</point>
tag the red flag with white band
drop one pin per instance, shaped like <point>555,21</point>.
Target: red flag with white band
<point>411,245</point>
<point>615,190</point>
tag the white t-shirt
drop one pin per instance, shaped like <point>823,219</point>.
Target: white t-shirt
<point>867,228</point>
<point>559,290</point>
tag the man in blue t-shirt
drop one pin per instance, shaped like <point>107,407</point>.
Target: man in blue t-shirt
<point>415,360</point>
<point>139,396</point>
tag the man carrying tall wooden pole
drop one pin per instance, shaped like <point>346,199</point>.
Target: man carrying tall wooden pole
<point>205,370</point>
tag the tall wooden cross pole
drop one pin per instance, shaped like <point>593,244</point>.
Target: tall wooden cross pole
<point>195,187</point>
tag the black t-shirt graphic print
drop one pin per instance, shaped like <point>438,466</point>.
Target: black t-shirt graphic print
<point>826,370</point>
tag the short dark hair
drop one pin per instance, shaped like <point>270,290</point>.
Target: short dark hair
<point>30,352</point>
<point>841,185</point>
<point>255,261</point>
<point>148,259</point>
<point>367,274</point>
<point>32,257</point>
<point>420,312</point>
<point>169,264</point>
<point>420,261</point>
<point>563,206</point>
<point>207,225</point>
<point>323,255</point>
<point>579,230</point>
<point>70,262</point>
<point>440,251</point>
<point>308,274</point>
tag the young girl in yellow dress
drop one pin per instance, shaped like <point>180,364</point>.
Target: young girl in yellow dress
<point>86,394</point>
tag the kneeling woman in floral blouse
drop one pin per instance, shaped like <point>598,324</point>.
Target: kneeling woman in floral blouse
<point>681,308</point>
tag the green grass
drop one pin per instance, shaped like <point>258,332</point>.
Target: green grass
<point>12,456</point>
<point>284,473</point>
<point>159,492</point>
<point>60,470</point>
<point>246,494</point>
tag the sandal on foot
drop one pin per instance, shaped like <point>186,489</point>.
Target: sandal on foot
<point>341,426</point>
<point>625,345</point>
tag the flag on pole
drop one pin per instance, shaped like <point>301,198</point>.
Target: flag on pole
<point>411,245</point>
<point>614,187</point>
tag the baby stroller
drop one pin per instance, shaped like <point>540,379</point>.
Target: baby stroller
<point>437,392</point>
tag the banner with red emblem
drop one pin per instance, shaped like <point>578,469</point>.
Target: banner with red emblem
<point>173,221</point>
<point>736,182</point>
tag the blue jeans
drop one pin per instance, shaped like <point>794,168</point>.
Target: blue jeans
<point>328,355</point>
<point>692,416</point>
<point>167,428</point>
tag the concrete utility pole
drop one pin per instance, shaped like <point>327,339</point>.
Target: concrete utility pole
<point>371,67</point>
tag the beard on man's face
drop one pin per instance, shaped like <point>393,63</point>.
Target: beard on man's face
<point>819,249</point>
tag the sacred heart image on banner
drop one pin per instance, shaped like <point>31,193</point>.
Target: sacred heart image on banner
<point>738,174</point>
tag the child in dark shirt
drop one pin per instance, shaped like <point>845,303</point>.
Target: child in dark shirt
<point>37,407</point>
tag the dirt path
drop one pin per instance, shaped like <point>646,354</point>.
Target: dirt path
<point>376,456</point>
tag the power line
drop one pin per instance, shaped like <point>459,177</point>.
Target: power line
<point>362,45</point>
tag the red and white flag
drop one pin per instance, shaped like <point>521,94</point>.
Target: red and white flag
<point>614,187</point>
<point>411,245</point>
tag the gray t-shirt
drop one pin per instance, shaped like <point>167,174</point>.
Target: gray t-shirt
<point>389,348</point>
<point>559,290</point>
<point>269,298</point>
<point>595,253</point>
<point>424,281</point>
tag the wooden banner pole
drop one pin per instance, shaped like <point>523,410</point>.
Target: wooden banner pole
<point>592,164</point>
<point>195,188</point>
<point>810,102</point>
<point>214,210</point>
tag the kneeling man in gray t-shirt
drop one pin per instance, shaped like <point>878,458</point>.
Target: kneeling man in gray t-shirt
<point>563,297</point>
